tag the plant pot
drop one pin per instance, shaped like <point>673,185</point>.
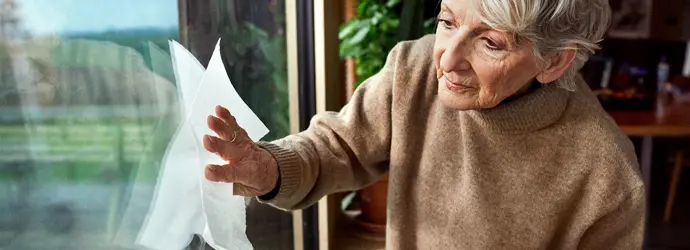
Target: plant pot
<point>373,201</point>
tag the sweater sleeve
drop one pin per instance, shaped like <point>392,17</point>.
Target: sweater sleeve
<point>345,150</point>
<point>623,228</point>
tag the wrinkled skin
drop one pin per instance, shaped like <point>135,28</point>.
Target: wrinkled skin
<point>252,170</point>
<point>484,62</point>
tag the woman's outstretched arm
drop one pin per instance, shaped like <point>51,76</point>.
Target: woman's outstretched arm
<point>339,151</point>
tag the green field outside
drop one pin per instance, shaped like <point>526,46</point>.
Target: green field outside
<point>88,151</point>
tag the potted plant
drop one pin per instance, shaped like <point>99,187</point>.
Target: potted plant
<point>367,39</point>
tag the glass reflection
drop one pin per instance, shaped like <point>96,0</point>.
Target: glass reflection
<point>88,104</point>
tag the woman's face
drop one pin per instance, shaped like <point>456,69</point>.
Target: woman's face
<point>478,67</point>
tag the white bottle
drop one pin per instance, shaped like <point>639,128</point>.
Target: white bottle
<point>662,75</point>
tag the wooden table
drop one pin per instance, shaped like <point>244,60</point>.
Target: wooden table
<point>675,122</point>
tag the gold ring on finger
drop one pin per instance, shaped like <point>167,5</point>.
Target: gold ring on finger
<point>234,136</point>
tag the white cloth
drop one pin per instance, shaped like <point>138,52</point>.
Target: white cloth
<point>185,203</point>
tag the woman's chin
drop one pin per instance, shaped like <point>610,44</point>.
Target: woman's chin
<point>463,100</point>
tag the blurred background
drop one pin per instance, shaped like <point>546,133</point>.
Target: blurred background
<point>89,103</point>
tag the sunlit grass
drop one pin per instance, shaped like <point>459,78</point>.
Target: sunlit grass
<point>82,151</point>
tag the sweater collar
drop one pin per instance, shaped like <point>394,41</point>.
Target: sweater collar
<point>538,109</point>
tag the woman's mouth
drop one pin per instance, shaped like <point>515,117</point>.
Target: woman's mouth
<point>453,86</point>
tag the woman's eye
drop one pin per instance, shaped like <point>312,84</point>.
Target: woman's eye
<point>491,44</point>
<point>446,23</point>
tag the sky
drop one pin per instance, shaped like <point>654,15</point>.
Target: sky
<point>41,17</point>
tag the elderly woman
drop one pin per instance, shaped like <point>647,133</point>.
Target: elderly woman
<point>491,139</point>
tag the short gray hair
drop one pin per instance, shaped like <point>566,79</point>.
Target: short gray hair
<point>552,26</point>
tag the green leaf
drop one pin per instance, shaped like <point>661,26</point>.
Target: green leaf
<point>362,8</point>
<point>364,24</point>
<point>359,37</point>
<point>377,18</point>
<point>358,52</point>
<point>348,28</point>
<point>379,27</point>
<point>345,51</point>
<point>372,10</point>
<point>377,64</point>
<point>392,24</point>
<point>392,3</point>
<point>361,71</point>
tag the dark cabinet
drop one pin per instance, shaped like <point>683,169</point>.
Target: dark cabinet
<point>667,20</point>
<point>670,20</point>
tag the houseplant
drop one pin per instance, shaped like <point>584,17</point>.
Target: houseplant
<point>367,39</point>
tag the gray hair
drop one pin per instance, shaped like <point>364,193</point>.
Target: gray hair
<point>552,26</point>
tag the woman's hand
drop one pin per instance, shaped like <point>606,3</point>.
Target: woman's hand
<point>252,169</point>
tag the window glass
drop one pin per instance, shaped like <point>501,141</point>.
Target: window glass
<point>89,104</point>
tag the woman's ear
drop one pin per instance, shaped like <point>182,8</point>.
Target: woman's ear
<point>557,65</point>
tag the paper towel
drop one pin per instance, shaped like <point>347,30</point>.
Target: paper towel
<point>185,202</point>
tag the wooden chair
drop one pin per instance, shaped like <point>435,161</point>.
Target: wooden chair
<point>673,186</point>
<point>678,83</point>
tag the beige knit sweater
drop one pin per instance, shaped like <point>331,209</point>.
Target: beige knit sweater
<point>550,170</point>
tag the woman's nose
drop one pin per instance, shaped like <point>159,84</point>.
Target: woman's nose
<point>454,57</point>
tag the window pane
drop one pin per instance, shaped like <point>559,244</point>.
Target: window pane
<point>253,47</point>
<point>89,105</point>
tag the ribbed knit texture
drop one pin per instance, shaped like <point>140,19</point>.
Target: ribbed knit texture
<point>290,172</point>
<point>549,170</point>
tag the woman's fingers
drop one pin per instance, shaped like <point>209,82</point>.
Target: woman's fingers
<point>238,174</point>
<point>232,142</point>
<point>225,117</point>
<point>214,173</point>
<point>226,126</point>
<point>225,173</point>
<point>223,130</point>
<point>229,174</point>
<point>249,169</point>
<point>224,114</point>
<point>229,151</point>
